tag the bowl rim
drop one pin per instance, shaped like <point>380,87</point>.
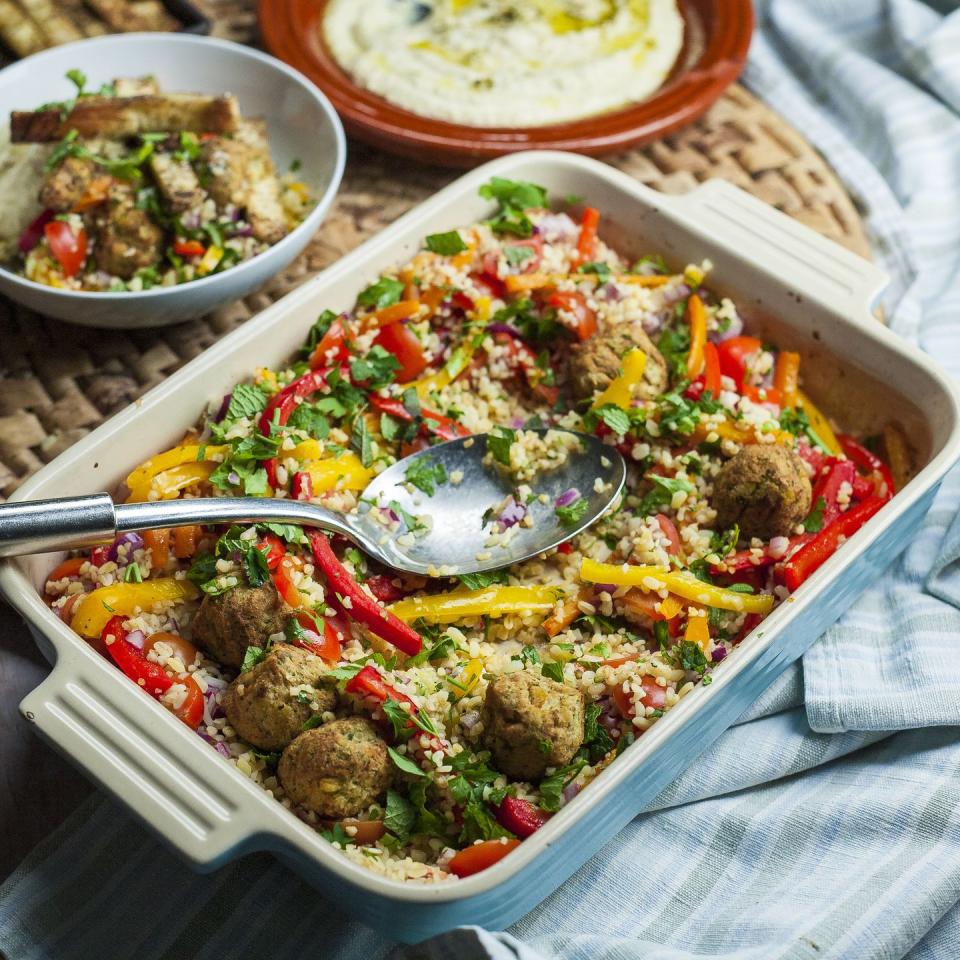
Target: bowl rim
<point>291,30</point>
<point>308,226</point>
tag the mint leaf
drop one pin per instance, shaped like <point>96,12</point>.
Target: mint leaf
<point>405,763</point>
<point>446,244</point>
<point>499,442</point>
<point>572,513</point>
<point>425,473</point>
<point>384,293</point>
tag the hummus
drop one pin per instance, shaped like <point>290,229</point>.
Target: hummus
<point>506,63</point>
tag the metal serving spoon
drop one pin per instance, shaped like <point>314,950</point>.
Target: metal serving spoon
<point>453,526</point>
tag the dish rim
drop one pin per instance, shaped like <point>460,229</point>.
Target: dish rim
<point>280,830</point>
<point>302,232</point>
<point>291,31</point>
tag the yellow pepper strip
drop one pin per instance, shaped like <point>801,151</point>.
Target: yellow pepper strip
<point>739,433</point>
<point>167,484</point>
<point>138,482</point>
<point>683,584</point>
<point>786,378</point>
<point>641,280</point>
<point>461,604</point>
<point>305,450</point>
<point>819,423</point>
<point>621,388</point>
<point>208,262</point>
<point>459,359</point>
<point>898,454</point>
<point>698,632</point>
<point>697,318</point>
<point>467,679</point>
<point>345,472</point>
<point>122,599</point>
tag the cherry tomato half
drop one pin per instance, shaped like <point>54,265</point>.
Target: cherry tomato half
<point>68,246</point>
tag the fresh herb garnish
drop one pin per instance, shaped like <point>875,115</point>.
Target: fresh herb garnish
<point>384,293</point>
<point>446,244</point>
<point>571,514</point>
<point>425,474</point>
<point>814,522</point>
<point>514,198</point>
<point>499,442</point>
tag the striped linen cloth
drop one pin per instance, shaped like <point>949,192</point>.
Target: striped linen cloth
<point>826,823</point>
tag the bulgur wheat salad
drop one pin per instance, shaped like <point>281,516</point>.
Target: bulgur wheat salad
<point>125,188</point>
<point>427,726</point>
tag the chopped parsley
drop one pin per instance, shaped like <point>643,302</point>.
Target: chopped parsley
<point>425,474</point>
<point>553,671</point>
<point>552,787</point>
<point>477,581</point>
<point>514,197</point>
<point>601,270</point>
<point>571,514</point>
<point>517,255</point>
<point>499,442</point>
<point>814,522</point>
<point>596,738</point>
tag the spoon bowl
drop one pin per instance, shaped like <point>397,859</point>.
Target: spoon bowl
<point>472,518</point>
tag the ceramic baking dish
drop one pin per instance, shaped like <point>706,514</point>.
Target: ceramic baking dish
<point>794,286</point>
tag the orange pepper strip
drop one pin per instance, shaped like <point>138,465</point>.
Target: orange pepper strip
<point>69,568</point>
<point>697,318</point>
<point>786,377</point>
<point>569,611</point>
<point>642,280</point>
<point>158,543</point>
<point>698,632</point>
<point>587,244</point>
<point>402,310</point>
<point>185,541</point>
<point>521,282</point>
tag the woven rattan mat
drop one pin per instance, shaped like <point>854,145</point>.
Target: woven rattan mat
<point>58,382</point>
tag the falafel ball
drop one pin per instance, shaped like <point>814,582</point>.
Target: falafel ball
<point>531,723</point>
<point>336,770</point>
<point>269,704</point>
<point>243,617</point>
<point>764,489</point>
<point>597,361</point>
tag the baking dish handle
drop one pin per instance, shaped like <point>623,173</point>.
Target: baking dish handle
<point>833,274</point>
<point>163,774</point>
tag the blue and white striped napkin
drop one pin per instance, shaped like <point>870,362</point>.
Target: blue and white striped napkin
<point>826,824</point>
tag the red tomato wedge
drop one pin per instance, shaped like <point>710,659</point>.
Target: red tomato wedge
<point>398,340</point>
<point>481,855</point>
<point>68,246</point>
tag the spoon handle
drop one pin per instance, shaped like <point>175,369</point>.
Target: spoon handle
<point>42,526</point>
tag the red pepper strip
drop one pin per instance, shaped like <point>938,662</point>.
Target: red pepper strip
<point>302,486</point>
<point>812,556</point>
<point>434,423</point>
<point>744,560</point>
<point>285,401</point>
<point>828,487</point>
<point>384,589</point>
<point>520,817</point>
<point>709,380</point>
<point>274,549</point>
<point>362,607</point>
<point>870,464</point>
<point>143,672</point>
<point>761,394</point>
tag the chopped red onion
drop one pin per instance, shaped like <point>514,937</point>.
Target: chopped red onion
<point>567,497</point>
<point>245,231</point>
<point>470,719</point>
<point>605,587</point>
<point>570,791</point>
<point>136,638</point>
<point>34,232</point>
<point>677,293</point>
<point>191,220</point>
<point>557,226</point>
<point>234,478</point>
<point>505,328</point>
<point>610,291</point>
<point>734,330</point>
<point>224,407</point>
<point>512,513</point>
<point>719,653</point>
<point>133,541</point>
<point>778,547</point>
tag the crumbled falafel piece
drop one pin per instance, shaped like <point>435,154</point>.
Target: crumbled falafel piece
<point>66,184</point>
<point>125,238</point>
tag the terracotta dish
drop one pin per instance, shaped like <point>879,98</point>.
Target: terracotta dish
<point>716,41</point>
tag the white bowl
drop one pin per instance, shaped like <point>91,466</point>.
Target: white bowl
<point>302,125</point>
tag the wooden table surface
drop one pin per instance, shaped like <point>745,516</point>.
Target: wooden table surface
<point>38,789</point>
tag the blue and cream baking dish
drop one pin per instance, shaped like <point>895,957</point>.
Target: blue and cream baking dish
<point>793,287</point>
